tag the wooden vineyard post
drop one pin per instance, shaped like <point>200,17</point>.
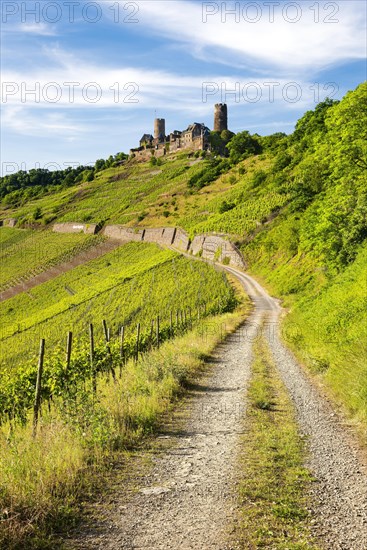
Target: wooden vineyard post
<point>151,333</point>
<point>91,353</point>
<point>177,319</point>
<point>37,399</point>
<point>137,341</point>
<point>158,331</point>
<point>122,348</point>
<point>106,335</point>
<point>69,343</point>
<point>170,324</point>
<point>108,348</point>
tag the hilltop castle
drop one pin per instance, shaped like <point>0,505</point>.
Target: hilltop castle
<point>195,137</point>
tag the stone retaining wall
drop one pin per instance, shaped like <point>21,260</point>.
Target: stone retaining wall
<point>10,222</point>
<point>218,249</point>
<point>87,228</point>
<point>182,241</point>
<point>123,233</point>
<point>211,247</point>
<point>165,235</point>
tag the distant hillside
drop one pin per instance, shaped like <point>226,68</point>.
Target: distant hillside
<point>296,205</point>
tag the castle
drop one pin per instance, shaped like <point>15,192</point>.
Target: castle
<point>194,138</point>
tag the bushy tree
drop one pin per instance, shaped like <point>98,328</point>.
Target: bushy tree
<point>242,145</point>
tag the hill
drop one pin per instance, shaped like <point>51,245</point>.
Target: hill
<point>296,207</point>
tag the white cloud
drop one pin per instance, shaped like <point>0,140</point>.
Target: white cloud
<point>40,29</point>
<point>299,47</point>
<point>71,82</point>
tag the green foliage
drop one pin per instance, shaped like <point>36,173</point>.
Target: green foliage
<point>218,141</point>
<point>37,214</point>
<point>226,206</point>
<point>16,189</point>
<point>212,170</point>
<point>160,281</point>
<point>113,160</point>
<point>274,143</point>
<point>243,145</point>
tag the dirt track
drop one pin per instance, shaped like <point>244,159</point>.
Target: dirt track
<point>188,500</point>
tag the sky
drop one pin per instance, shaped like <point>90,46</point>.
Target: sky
<point>82,80</point>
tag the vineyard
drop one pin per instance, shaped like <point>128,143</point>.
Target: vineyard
<point>163,285</point>
<point>26,253</point>
<point>89,361</point>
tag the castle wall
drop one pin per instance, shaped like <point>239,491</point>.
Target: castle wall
<point>88,229</point>
<point>144,155</point>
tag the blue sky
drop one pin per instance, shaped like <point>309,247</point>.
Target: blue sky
<point>100,71</point>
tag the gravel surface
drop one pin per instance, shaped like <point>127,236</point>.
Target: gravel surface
<point>339,494</point>
<point>188,499</point>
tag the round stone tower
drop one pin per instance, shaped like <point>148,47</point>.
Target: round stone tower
<point>159,128</point>
<point>220,117</point>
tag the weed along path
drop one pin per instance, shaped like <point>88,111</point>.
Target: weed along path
<point>189,498</point>
<point>339,494</point>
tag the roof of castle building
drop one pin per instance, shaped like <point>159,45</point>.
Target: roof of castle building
<point>147,137</point>
<point>195,125</point>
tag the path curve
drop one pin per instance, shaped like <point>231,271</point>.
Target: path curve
<point>339,494</point>
<point>188,500</point>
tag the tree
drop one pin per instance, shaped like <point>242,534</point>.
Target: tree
<point>347,132</point>
<point>242,145</point>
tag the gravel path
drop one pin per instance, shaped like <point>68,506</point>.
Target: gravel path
<point>188,499</point>
<point>339,494</point>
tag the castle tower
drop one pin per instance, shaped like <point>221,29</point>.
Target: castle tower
<point>159,128</point>
<point>220,117</point>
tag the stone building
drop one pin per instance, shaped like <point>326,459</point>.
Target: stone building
<point>195,137</point>
<point>220,117</point>
<point>147,139</point>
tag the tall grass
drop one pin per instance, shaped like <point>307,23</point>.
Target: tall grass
<point>43,478</point>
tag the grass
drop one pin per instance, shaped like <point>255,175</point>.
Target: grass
<point>44,478</point>
<point>161,280</point>
<point>24,253</point>
<point>326,325</point>
<point>273,485</point>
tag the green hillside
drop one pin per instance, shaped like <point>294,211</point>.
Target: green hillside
<point>297,209</point>
<point>295,205</point>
